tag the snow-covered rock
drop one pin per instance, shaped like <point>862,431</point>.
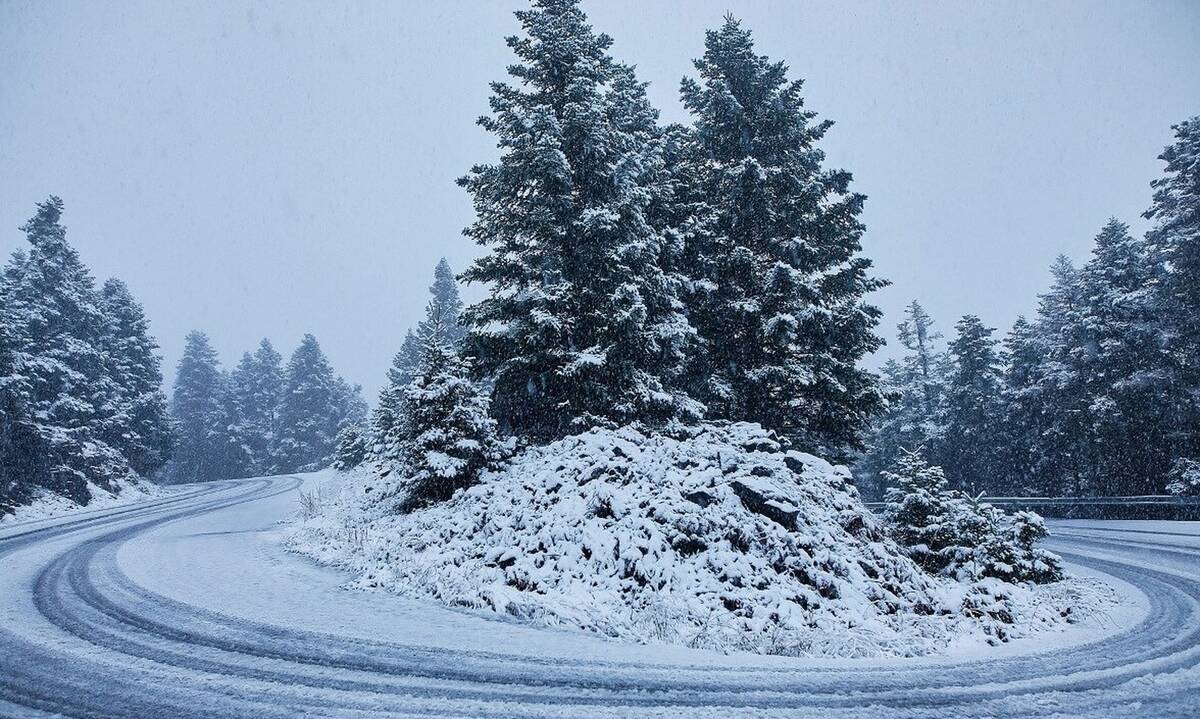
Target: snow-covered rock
<point>719,538</point>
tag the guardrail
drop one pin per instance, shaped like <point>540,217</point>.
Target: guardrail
<point>1148,506</point>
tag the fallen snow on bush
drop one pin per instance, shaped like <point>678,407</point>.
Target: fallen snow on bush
<point>722,539</point>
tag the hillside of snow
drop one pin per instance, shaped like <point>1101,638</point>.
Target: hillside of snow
<point>721,539</point>
<point>45,504</point>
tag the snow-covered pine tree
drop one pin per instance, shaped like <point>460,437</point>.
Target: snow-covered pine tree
<point>775,257</point>
<point>142,429</point>
<point>351,408</point>
<point>310,411</point>
<point>387,413</point>
<point>445,303</point>
<point>916,511</point>
<point>1124,367</point>
<point>952,534</point>
<point>445,300</point>
<point>199,410</point>
<point>24,463</point>
<point>1022,418</point>
<point>1062,460</point>
<point>237,459</point>
<point>350,448</point>
<point>915,384</point>
<point>257,387</point>
<point>582,325</point>
<point>972,410</point>
<point>1184,479</point>
<point>60,326</point>
<point>1174,244</point>
<point>447,437</point>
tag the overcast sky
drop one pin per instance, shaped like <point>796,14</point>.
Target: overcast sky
<point>289,167</point>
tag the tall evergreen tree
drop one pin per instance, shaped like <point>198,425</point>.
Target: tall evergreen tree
<point>234,437</point>
<point>915,384</point>
<point>582,325</point>
<point>1121,365</point>
<point>779,278</point>
<point>1174,243</point>
<point>351,407</point>
<point>1063,460</point>
<point>446,304</point>
<point>257,388</point>
<point>445,301</point>
<point>309,412</point>
<point>200,414</point>
<point>387,414</point>
<point>60,335</point>
<point>23,458</point>
<point>142,428</point>
<point>1022,416</point>
<point>972,418</point>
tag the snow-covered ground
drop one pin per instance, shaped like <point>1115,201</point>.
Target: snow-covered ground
<point>716,539</point>
<point>188,606</point>
<point>48,505</point>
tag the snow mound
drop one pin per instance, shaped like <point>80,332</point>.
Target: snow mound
<point>721,538</point>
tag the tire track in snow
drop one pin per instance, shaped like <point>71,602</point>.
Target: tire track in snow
<point>133,653</point>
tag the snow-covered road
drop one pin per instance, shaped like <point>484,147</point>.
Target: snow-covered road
<point>185,606</point>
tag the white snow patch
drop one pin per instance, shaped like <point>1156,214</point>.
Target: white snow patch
<point>48,505</point>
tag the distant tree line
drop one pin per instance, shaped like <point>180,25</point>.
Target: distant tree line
<point>1099,394</point>
<point>81,401</point>
<point>260,418</point>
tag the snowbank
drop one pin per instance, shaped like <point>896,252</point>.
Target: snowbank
<point>47,505</point>
<point>722,539</point>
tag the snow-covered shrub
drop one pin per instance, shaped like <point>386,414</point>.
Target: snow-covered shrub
<point>351,448</point>
<point>1184,480</point>
<point>1010,552</point>
<point>951,534</point>
<point>990,599</point>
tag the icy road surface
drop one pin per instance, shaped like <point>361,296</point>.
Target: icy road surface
<point>184,606</point>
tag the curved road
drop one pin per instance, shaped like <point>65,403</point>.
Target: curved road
<point>184,606</point>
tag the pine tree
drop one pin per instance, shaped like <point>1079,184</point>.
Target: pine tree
<point>775,256</point>
<point>583,325</point>
<point>200,414</point>
<point>387,414</point>
<point>23,456</point>
<point>309,412</point>
<point>1063,461</point>
<point>234,438</point>
<point>350,448</point>
<point>1121,365</point>
<point>447,437</point>
<point>351,408</point>
<point>915,385</point>
<point>1174,244</point>
<point>919,507</point>
<point>257,387</point>
<point>445,301</point>
<point>446,304</point>
<point>1022,416</point>
<point>949,533</point>
<point>142,428</point>
<point>60,331</point>
<point>972,418</point>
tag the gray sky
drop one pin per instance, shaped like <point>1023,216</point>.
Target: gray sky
<point>290,167</point>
